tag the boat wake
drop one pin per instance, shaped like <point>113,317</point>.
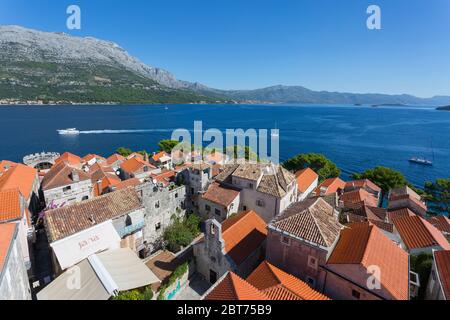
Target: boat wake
<point>123,131</point>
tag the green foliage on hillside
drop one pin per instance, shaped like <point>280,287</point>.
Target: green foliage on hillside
<point>323,166</point>
<point>83,83</point>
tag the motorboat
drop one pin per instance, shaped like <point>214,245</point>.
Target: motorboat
<point>69,131</point>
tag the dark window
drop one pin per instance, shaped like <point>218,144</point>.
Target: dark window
<point>158,226</point>
<point>356,294</point>
<point>67,188</point>
<point>218,212</point>
<point>207,207</point>
<point>192,190</point>
<point>212,276</point>
<point>85,198</point>
<point>128,221</point>
<point>285,240</point>
<point>176,195</point>
<point>157,204</point>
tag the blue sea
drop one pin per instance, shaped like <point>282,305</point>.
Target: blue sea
<point>354,137</point>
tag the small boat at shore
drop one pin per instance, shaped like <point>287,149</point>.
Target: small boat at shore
<point>69,131</point>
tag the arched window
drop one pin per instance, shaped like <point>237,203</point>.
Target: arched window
<point>128,221</point>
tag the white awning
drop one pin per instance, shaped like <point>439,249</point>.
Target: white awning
<point>126,269</point>
<point>71,250</point>
<point>78,283</point>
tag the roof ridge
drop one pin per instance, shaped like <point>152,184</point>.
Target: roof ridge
<point>315,220</point>
<point>369,239</point>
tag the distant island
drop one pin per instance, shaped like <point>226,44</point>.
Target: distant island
<point>446,108</point>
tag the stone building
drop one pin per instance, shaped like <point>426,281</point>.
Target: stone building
<point>14,283</point>
<point>78,230</point>
<point>366,265</point>
<point>237,245</point>
<point>301,239</point>
<point>265,188</point>
<point>13,209</point>
<point>162,205</point>
<point>219,202</point>
<point>65,184</point>
<point>438,287</point>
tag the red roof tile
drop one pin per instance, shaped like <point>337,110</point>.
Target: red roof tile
<point>135,164</point>
<point>362,184</point>
<point>232,287</point>
<point>159,155</point>
<point>7,231</point>
<point>359,196</point>
<point>21,177</point>
<point>115,158</point>
<point>416,232</point>
<point>331,185</point>
<point>305,178</point>
<point>220,195</point>
<point>364,244</point>
<point>5,165</point>
<point>61,174</point>
<point>442,223</point>
<point>69,158</point>
<point>442,259</point>
<point>403,212</point>
<point>10,208</point>
<point>279,285</point>
<point>243,234</point>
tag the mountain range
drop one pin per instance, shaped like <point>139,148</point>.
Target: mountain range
<point>57,67</point>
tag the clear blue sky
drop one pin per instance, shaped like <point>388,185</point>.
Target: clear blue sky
<point>245,44</point>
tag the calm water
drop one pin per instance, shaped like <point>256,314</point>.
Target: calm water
<point>356,138</point>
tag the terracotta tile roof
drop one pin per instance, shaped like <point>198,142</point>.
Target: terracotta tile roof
<point>232,287</point>
<point>364,244</point>
<point>330,185</point>
<point>135,164</point>
<point>133,182</point>
<point>69,158</point>
<point>393,198</point>
<point>279,285</point>
<point>5,165</point>
<point>442,223</point>
<point>305,178</point>
<point>136,155</point>
<point>10,208</point>
<point>7,232</point>
<point>159,155</point>
<point>312,220</point>
<point>243,234</point>
<point>221,195</point>
<point>416,232</point>
<point>165,177</point>
<point>398,213</point>
<point>91,156</point>
<point>359,196</point>
<point>442,260</point>
<point>71,219</point>
<point>21,177</point>
<point>115,158</point>
<point>369,212</point>
<point>61,175</point>
<point>357,184</point>
<point>215,157</point>
<point>404,191</point>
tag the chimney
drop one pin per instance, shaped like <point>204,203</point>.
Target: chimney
<point>75,176</point>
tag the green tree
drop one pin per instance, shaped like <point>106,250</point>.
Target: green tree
<point>323,166</point>
<point>133,295</point>
<point>182,232</point>
<point>167,145</point>
<point>437,195</point>
<point>125,152</point>
<point>383,177</point>
<point>240,152</point>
